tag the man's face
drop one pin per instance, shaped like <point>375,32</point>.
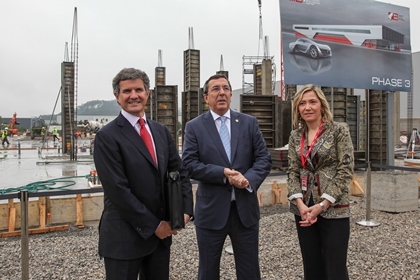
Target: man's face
<point>132,96</point>
<point>219,96</point>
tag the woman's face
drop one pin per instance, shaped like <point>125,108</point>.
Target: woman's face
<point>310,107</point>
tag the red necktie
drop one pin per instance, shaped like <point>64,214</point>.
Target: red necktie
<point>147,139</point>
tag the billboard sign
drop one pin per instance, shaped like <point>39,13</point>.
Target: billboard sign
<point>361,44</point>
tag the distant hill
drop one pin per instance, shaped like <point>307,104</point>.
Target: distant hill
<point>99,107</point>
<point>94,107</point>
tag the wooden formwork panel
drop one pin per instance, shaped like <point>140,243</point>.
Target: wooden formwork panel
<point>193,104</point>
<point>190,106</point>
<point>337,99</point>
<point>257,79</point>
<point>265,109</point>
<point>328,90</point>
<point>377,127</point>
<point>290,91</point>
<point>362,125</point>
<point>149,105</point>
<point>224,73</point>
<point>279,158</point>
<point>191,70</point>
<point>160,76</point>
<point>284,123</point>
<point>62,210</point>
<point>166,107</point>
<point>203,106</point>
<point>353,119</point>
<point>67,103</point>
<point>192,101</point>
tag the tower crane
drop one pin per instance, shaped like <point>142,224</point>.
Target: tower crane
<point>260,31</point>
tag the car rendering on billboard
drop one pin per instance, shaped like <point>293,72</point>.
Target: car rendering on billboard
<point>311,48</point>
<point>311,66</point>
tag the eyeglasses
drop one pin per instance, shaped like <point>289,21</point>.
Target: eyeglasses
<point>218,88</point>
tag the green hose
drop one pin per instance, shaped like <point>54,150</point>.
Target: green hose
<point>44,185</point>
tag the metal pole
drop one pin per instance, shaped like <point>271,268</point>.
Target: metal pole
<point>19,148</point>
<point>367,123</point>
<point>368,191</point>
<point>368,222</point>
<point>24,237</point>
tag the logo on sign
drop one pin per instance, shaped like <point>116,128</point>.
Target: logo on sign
<point>392,16</point>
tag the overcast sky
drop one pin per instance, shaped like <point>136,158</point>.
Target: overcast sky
<point>128,33</point>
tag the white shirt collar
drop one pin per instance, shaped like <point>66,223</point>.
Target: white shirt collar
<point>132,119</point>
<point>216,116</point>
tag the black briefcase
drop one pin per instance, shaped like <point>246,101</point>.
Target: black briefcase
<point>176,209</point>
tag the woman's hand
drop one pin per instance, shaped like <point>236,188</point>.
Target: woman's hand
<point>307,218</point>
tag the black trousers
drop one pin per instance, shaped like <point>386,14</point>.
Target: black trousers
<point>151,267</point>
<point>244,244</point>
<point>5,140</point>
<point>324,248</point>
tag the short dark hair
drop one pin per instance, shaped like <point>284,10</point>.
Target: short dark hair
<point>214,77</point>
<point>130,74</point>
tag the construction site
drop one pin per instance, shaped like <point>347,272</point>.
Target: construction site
<point>373,123</point>
<point>53,183</point>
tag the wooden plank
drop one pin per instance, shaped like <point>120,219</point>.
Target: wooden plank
<point>356,186</point>
<point>48,209</point>
<point>412,163</point>
<point>58,210</point>
<point>35,231</point>
<point>79,211</point>
<point>12,215</point>
<point>274,191</point>
<point>283,193</point>
<point>42,211</point>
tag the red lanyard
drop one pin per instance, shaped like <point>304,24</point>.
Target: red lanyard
<point>303,157</point>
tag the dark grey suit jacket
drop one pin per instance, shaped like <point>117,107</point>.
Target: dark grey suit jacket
<point>135,197</point>
<point>205,159</point>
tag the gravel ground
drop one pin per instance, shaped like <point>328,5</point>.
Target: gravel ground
<point>388,251</point>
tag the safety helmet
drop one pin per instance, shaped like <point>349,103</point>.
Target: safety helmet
<point>6,128</point>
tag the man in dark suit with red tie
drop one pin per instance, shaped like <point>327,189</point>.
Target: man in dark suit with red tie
<point>132,156</point>
<point>226,153</point>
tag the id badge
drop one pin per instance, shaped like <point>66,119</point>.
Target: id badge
<point>304,181</point>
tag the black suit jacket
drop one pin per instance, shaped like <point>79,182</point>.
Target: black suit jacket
<point>134,188</point>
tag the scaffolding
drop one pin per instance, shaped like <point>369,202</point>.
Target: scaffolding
<point>248,73</point>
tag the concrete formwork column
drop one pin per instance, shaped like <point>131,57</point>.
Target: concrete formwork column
<point>67,106</point>
<point>377,126</point>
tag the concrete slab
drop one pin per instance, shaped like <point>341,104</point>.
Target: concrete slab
<point>31,164</point>
<point>394,191</point>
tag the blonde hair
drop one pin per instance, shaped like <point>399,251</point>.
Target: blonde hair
<point>325,107</point>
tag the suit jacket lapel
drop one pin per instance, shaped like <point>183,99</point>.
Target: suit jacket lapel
<point>210,125</point>
<point>235,126</point>
<point>131,134</point>
<point>158,146</point>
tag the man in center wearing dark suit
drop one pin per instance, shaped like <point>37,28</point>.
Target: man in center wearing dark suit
<point>229,173</point>
<point>132,156</point>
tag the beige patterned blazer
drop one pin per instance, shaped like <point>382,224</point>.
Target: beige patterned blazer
<point>329,169</point>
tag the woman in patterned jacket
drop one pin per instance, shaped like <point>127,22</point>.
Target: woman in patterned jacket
<point>320,170</point>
